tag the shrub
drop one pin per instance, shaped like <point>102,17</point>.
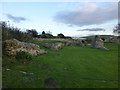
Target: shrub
<point>13,33</point>
<point>60,35</point>
<point>23,56</point>
<point>46,36</point>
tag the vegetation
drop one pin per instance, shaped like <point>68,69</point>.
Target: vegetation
<point>60,35</point>
<point>43,32</point>
<point>116,30</point>
<point>71,67</point>
<point>46,36</point>
<point>32,33</point>
<point>11,32</point>
<point>23,56</point>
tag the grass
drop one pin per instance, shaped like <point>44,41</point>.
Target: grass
<point>71,67</point>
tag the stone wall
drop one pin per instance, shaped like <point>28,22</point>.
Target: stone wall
<point>53,46</point>
<point>74,43</point>
<point>11,46</point>
<point>57,46</point>
<point>51,39</point>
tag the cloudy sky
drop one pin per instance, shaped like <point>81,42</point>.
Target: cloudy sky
<point>70,18</point>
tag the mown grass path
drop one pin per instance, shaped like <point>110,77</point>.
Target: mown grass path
<point>71,67</point>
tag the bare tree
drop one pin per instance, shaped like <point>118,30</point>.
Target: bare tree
<point>116,30</point>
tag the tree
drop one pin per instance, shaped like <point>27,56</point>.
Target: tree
<point>43,32</point>
<point>32,32</point>
<point>48,32</point>
<point>60,35</point>
<point>116,30</point>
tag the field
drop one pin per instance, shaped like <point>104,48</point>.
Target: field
<point>71,67</point>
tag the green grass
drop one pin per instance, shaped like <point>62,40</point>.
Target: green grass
<point>71,67</point>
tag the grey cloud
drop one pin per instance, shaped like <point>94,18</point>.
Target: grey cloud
<point>70,25</point>
<point>89,15</point>
<point>93,29</point>
<point>15,19</point>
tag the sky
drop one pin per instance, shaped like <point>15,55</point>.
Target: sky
<point>75,19</point>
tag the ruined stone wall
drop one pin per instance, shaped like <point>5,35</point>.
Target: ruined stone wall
<point>11,46</point>
<point>98,43</point>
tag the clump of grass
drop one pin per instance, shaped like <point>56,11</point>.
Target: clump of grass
<point>23,56</point>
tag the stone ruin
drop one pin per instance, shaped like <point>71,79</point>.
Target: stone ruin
<point>53,46</point>
<point>57,46</point>
<point>74,43</point>
<point>12,46</point>
<point>98,43</point>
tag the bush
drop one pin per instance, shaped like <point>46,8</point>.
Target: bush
<point>13,33</point>
<point>60,35</point>
<point>46,36</point>
<point>23,56</point>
